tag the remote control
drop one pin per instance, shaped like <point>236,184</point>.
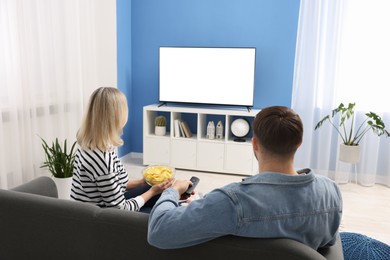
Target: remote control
<point>195,181</point>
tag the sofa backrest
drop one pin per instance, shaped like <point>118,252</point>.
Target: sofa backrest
<point>39,227</point>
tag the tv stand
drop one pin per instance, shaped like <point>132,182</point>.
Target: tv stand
<point>224,155</point>
<point>162,104</point>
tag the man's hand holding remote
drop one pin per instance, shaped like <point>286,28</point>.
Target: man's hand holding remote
<point>185,188</point>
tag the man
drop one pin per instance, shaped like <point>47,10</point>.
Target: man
<point>277,202</point>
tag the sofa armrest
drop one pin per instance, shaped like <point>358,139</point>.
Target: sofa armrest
<point>43,185</point>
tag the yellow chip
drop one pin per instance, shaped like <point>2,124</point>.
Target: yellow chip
<point>158,174</point>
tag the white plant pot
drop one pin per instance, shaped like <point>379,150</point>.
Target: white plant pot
<point>160,130</point>
<point>349,153</point>
<point>64,185</point>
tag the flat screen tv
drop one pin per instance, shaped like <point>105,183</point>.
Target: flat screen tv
<point>223,76</point>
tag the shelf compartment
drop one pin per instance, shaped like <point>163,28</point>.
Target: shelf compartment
<point>149,124</point>
<point>230,120</point>
<point>204,119</point>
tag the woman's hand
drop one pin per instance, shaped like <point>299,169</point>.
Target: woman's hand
<point>158,188</point>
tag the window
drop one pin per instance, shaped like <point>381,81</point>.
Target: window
<point>364,72</point>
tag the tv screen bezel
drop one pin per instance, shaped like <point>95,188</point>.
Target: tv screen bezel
<point>210,103</point>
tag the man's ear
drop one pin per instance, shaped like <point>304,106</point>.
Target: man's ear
<point>256,147</point>
<point>255,144</point>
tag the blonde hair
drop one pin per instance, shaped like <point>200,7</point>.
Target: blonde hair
<point>104,120</point>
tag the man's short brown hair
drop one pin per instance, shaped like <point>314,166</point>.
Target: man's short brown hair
<point>278,129</point>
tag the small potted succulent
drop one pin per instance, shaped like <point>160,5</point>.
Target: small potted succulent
<point>60,164</point>
<point>351,134</point>
<point>160,125</point>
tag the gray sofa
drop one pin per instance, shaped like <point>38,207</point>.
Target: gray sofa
<point>34,224</point>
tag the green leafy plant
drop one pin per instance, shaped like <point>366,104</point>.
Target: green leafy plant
<point>346,126</point>
<point>160,121</point>
<point>58,160</point>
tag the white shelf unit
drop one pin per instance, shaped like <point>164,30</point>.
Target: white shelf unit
<point>198,152</point>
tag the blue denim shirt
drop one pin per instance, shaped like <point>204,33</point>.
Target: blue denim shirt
<point>306,208</point>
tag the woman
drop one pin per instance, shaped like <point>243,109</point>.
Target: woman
<point>98,174</point>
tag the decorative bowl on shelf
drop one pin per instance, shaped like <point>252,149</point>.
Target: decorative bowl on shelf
<point>157,174</point>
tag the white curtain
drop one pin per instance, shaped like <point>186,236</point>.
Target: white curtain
<point>53,53</point>
<point>343,55</point>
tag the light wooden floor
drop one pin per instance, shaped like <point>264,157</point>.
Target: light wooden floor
<point>366,210</point>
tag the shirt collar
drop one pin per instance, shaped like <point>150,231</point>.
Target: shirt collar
<point>305,175</point>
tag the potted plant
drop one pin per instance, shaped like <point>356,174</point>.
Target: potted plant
<point>60,164</point>
<point>349,148</point>
<point>160,125</point>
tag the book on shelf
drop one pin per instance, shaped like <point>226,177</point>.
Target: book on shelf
<point>182,134</point>
<point>186,129</point>
<point>177,128</point>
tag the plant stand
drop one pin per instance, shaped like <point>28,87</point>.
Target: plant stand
<point>350,155</point>
<point>345,173</point>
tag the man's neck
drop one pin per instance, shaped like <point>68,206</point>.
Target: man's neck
<point>280,166</point>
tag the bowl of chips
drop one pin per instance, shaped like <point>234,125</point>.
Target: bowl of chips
<point>157,174</point>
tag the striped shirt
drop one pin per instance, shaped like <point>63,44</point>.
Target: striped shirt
<point>100,178</point>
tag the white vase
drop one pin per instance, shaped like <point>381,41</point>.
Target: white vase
<point>349,153</point>
<point>160,130</point>
<point>64,185</point>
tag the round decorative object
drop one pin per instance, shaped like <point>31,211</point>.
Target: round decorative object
<point>358,247</point>
<point>240,128</point>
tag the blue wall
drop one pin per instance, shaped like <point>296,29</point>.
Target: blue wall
<point>123,26</point>
<point>268,25</point>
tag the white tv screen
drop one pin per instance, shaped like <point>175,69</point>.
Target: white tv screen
<point>222,76</point>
